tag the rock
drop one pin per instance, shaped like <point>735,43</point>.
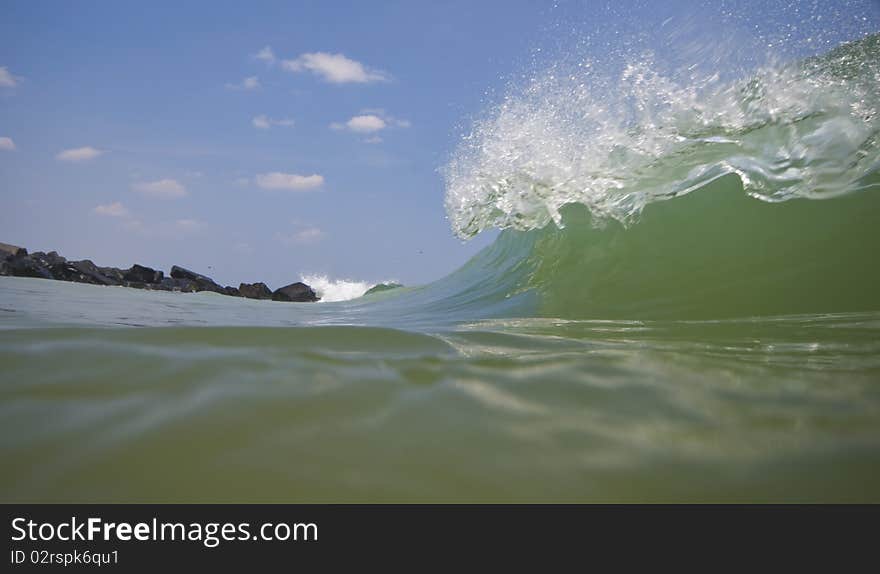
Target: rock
<point>16,261</point>
<point>174,284</point>
<point>382,287</point>
<point>81,272</point>
<point>48,259</point>
<point>202,282</point>
<point>297,292</point>
<point>113,273</point>
<point>8,251</point>
<point>143,274</point>
<point>36,264</point>
<point>27,266</point>
<point>255,291</point>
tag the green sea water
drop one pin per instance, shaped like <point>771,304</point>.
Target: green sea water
<point>686,308</point>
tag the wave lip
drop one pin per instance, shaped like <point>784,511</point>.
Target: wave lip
<point>671,199</point>
<point>618,143</point>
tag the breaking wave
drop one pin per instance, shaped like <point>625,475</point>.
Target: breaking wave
<point>638,195</point>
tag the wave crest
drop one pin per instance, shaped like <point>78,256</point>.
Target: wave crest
<point>616,143</point>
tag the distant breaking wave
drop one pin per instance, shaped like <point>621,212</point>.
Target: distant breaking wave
<point>330,290</point>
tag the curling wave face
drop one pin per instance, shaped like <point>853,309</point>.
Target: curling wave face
<point>644,199</point>
<point>805,130</point>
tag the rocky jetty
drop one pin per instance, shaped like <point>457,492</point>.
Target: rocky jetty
<point>255,291</point>
<point>7,250</point>
<point>296,292</point>
<point>141,274</point>
<point>16,261</point>
<point>200,282</point>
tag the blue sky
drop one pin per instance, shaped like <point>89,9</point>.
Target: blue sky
<point>167,133</point>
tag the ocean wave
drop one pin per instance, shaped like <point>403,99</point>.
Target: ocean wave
<point>617,143</point>
<point>334,290</point>
<point>330,290</point>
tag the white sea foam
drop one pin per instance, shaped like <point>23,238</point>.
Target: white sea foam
<point>617,141</point>
<point>336,289</point>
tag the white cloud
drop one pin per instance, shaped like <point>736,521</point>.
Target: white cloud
<point>264,122</point>
<point>266,54</point>
<point>7,80</point>
<point>310,234</point>
<point>6,144</point>
<point>370,122</point>
<point>334,68</point>
<point>249,83</point>
<point>79,154</point>
<point>389,119</point>
<point>114,209</point>
<point>163,188</point>
<point>289,181</point>
<point>365,124</point>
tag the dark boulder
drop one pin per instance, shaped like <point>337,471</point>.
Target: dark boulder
<point>231,291</point>
<point>81,272</point>
<point>201,282</point>
<point>296,292</point>
<point>143,274</point>
<point>113,273</point>
<point>36,264</point>
<point>27,266</point>
<point>382,287</point>
<point>255,291</point>
<point>181,285</point>
<point>48,259</point>
<point>8,251</point>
